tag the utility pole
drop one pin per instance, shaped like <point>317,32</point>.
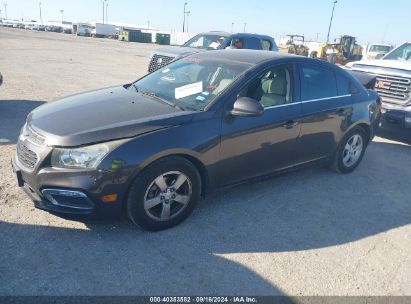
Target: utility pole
<point>103,2</point>
<point>331,20</point>
<point>62,11</point>
<point>148,24</point>
<point>188,15</point>
<point>41,19</point>
<point>0,15</point>
<point>245,25</point>
<point>232,27</point>
<point>5,10</point>
<point>184,17</point>
<point>106,13</point>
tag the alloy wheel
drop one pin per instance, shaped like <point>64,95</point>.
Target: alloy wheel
<point>352,150</point>
<point>167,196</point>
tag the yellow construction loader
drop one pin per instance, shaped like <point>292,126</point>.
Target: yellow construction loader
<point>342,52</point>
<point>295,45</point>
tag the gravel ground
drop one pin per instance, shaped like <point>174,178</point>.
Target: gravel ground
<point>311,232</point>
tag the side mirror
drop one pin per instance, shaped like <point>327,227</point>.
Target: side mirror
<point>245,106</point>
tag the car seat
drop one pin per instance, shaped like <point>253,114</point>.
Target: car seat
<point>274,90</point>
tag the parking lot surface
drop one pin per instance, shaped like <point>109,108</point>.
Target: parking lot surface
<point>311,232</point>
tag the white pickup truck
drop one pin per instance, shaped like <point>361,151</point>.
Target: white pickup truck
<point>393,83</point>
<point>377,51</point>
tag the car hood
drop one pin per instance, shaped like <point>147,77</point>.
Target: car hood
<point>102,115</point>
<point>393,64</point>
<point>177,51</point>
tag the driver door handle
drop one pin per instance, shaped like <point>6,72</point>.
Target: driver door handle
<point>290,124</point>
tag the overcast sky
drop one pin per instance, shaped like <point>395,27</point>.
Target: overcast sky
<point>368,20</point>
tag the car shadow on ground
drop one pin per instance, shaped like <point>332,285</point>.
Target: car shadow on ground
<point>398,134</point>
<point>309,209</point>
<point>13,115</point>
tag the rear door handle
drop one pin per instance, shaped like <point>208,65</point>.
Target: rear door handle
<point>290,124</point>
<point>341,112</point>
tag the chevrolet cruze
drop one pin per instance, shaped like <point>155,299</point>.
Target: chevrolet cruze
<point>152,148</point>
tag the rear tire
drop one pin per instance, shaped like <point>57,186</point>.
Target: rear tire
<point>350,151</point>
<point>164,194</point>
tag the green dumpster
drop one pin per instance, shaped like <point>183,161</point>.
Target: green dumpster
<point>142,37</point>
<point>133,36</point>
<point>163,39</point>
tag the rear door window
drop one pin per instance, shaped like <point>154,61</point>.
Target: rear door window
<point>266,44</point>
<point>252,43</point>
<point>317,82</point>
<point>343,85</point>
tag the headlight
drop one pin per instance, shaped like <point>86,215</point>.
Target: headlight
<point>88,157</point>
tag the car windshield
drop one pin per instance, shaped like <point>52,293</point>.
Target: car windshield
<point>401,53</point>
<point>190,83</point>
<point>205,42</point>
<point>380,48</point>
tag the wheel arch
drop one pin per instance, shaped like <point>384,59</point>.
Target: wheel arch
<point>366,128</point>
<point>188,155</point>
<point>201,168</point>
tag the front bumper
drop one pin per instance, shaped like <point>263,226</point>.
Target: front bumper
<point>395,116</point>
<point>70,191</point>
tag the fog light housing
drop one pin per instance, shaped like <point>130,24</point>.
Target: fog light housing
<point>68,199</point>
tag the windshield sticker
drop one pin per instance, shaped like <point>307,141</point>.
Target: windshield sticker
<point>165,71</point>
<point>193,59</point>
<point>206,93</point>
<point>188,90</point>
<point>200,98</point>
<point>214,45</point>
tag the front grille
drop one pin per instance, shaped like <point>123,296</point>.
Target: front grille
<point>26,157</point>
<point>394,88</point>
<point>158,61</point>
<point>35,137</point>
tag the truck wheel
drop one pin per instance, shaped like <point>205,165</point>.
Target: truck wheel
<point>164,194</point>
<point>313,54</point>
<point>332,58</point>
<point>350,151</point>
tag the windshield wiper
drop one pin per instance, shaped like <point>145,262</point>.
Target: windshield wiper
<point>155,96</point>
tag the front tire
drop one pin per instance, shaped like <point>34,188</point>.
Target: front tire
<point>164,194</point>
<point>350,151</point>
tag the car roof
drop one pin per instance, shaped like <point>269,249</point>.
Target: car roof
<point>253,57</point>
<point>217,33</point>
<point>259,57</point>
<point>252,35</point>
<point>227,34</point>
